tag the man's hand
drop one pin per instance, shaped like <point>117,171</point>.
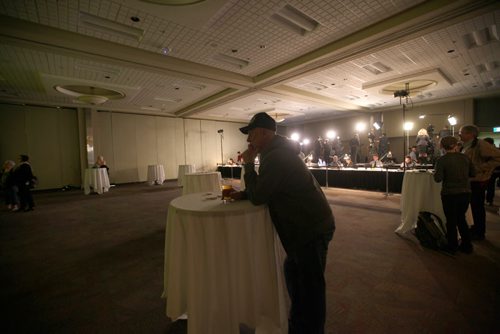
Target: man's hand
<point>238,195</point>
<point>250,154</point>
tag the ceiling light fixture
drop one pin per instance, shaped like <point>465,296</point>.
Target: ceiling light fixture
<point>295,20</point>
<point>92,99</point>
<point>167,99</point>
<point>173,2</point>
<point>238,62</point>
<point>107,26</point>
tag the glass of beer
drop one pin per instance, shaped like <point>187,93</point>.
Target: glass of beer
<point>227,189</point>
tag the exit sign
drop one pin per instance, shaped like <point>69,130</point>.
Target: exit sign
<point>496,129</point>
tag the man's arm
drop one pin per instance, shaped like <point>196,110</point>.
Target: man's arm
<point>438,175</point>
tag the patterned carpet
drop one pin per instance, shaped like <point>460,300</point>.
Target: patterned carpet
<point>94,264</point>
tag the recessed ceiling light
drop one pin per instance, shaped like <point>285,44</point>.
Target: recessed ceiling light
<point>165,51</point>
<point>174,2</point>
<point>135,18</point>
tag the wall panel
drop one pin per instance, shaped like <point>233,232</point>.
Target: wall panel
<point>69,147</point>
<point>124,148</point>
<point>210,145</point>
<point>170,132</point>
<point>49,136</point>
<point>13,140</point>
<point>147,150</point>
<point>192,137</point>
<point>102,126</point>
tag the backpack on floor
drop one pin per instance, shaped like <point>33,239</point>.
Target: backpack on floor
<point>430,231</point>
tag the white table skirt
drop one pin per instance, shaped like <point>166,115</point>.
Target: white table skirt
<point>96,179</point>
<point>202,182</point>
<point>183,170</point>
<point>156,174</point>
<point>224,266</point>
<point>419,193</point>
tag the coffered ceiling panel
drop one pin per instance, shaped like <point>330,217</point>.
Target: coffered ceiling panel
<point>220,59</point>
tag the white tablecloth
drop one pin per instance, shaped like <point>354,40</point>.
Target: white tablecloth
<point>156,174</point>
<point>96,179</point>
<point>419,193</point>
<point>202,182</point>
<point>223,266</point>
<point>183,170</point>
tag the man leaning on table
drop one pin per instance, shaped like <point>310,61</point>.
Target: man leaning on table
<point>485,158</point>
<point>300,213</point>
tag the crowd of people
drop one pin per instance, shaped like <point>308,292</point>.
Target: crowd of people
<point>424,151</point>
<point>17,182</point>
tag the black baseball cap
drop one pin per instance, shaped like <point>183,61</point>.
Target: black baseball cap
<point>260,120</point>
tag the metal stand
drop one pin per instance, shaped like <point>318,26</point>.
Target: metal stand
<point>387,194</point>
<point>326,175</point>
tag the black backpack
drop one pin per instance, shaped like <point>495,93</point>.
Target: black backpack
<point>430,231</point>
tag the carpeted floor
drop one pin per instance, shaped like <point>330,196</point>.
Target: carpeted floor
<point>94,264</point>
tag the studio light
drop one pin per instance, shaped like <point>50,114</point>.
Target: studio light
<point>452,120</point>
<point>306,141</point>
<point>295,136</point>
<point>421,116</point>
<point>408,126</point>
<point>330,134</point>
<point>360,127</point>
<point>376,126</point>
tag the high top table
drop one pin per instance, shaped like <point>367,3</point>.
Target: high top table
<point>156,174</point>
<point>419,193</point>
<point>223,266</point>
<point>199,182</point>
<point>97,180</point>
<point>183,170</point>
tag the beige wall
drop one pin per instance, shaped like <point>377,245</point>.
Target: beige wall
<point>49,136</point>
<point>128,142</point>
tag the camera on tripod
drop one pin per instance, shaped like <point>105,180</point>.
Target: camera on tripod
<point>401,93</point>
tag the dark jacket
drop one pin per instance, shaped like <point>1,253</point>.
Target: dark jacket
<point>454,169</point>
<point>23,174</point>
<point>299,209</point>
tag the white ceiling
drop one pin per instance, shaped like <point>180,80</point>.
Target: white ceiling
<point>339,68</point>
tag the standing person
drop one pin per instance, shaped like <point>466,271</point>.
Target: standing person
<point>9,186</point>
<point>337,147</point>
<point>454,170</point>
<point>355,144</point>
<point>423,141</point>
<point>485,158</point>
<point>383,145</point>
<point>301,214</point>
<point>24,178</point>
<point>239,158</point>
<point>490,189</point>
<point>318,150</point>
<point>327,149</point>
